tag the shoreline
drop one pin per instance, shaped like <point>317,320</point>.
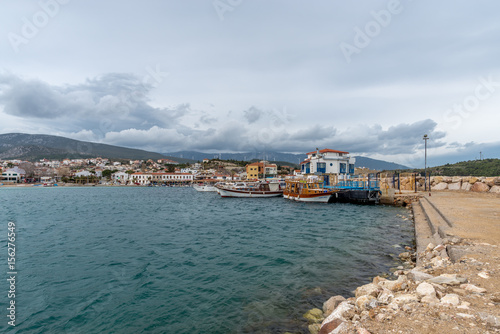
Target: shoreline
<point>450,282</point>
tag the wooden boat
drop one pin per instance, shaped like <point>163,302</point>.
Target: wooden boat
<point>307,191</point>
<point>254,190</point>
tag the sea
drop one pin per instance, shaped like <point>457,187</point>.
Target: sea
<point>174,260</point>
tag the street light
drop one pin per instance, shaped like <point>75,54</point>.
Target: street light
<point>425,163</point>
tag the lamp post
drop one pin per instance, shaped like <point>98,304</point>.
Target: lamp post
<point>425,163</point>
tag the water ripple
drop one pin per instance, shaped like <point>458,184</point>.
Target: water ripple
<point>171,260</point>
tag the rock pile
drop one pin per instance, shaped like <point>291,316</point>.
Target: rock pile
<point>469,183</point>
<point>437,297</point>
<point>456,183</point>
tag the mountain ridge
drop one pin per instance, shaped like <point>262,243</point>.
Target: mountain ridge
<point>39,146</point>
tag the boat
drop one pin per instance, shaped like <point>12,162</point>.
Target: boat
<point>310,190</point>
<point>254,190</point>
<point>204,187</point>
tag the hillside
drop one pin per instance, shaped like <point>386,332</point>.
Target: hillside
<point>485,167</point>
<point>283,158</point>
<point>35,147</point>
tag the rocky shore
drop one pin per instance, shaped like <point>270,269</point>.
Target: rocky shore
<point>450,285</point>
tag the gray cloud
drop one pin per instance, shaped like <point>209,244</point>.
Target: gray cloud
<point>282,84</point>
<point>109,102</point>
<point>252,114</point>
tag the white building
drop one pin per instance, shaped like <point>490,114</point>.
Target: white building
<point>15,174</point>
<point>84,173</point>
<point>328,161</point>
<point>146,178</point>
<point>121,177</point>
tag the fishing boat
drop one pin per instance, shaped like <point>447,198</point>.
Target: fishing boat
<point>310,190</point>
<point>204,187</point>
<point>254,190</point>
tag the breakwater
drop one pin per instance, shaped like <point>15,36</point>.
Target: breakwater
<point>406,182</point>
<point>450,282</point>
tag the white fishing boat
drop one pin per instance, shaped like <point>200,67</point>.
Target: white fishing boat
<point>254,190</point>
<point>204,187</point>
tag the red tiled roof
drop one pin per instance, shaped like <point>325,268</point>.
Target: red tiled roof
<point>327,150</point>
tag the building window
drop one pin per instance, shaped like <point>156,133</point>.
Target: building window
<point>321,167</point>
<point>343,168</point>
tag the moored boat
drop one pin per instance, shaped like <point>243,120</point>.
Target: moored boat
<point>204,187</point>
<point>307,191</point>
<point>254,190</point>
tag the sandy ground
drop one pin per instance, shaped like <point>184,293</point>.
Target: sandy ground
<point>475,216</point>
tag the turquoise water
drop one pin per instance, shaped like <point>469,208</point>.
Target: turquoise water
<point>172,260</point>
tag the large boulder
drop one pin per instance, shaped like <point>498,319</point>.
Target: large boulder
<point>454,186</point>
<point>368,290</point>
<point>331,304</point>
<point>466,186</point>
<point>336,319</point>
<point>438,179</point>
<point>447,179</point>
<point>490,181</point>
<point>417,275</point>
<point>426,289</point>
<point>440,186</point>
<point>396,285</point>
<point>480,187</point>
<point>495,189</point>
<point>473,180</point>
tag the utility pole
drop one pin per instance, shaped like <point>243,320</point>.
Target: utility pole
<point>425,163</point>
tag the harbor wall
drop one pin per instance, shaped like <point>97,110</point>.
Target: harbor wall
<point>455,183</point>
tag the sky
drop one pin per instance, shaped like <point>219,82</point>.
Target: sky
<point>367,77</point>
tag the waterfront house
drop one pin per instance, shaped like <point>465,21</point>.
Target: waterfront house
<point>121,177</point>
<point>333,164</point>
<point>15,174</point>
<point>256,170</point>
<point>146,178</point>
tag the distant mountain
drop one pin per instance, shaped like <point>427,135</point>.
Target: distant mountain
<point>35,147</point>
<point>377,164</point>
<point>283,157</point>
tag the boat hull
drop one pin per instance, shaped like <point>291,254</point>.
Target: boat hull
<point>248,193</point>
<point>204,188</point>
<point>317,198</point>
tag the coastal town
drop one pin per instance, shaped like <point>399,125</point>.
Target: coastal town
<point>132,172</point>
<point>103,171</point>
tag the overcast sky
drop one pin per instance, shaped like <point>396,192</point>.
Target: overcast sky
<point>368,77</point>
